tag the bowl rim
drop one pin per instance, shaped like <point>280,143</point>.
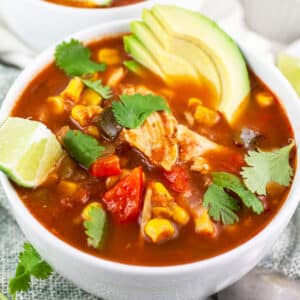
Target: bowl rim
<point>85,10</point>
<point>275,225</point>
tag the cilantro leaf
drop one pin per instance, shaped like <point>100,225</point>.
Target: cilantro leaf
<point>82,147</point>
<point>266,167</point>
<point>74,59</point>
<point>30,264</point>
<point>98,87</point>
<point>133,110</point>
<point>220,205</point>
<point>95,225</point>
<point>233,183</point>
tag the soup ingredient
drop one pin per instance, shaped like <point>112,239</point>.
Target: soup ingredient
<point>74,59</point>
<point>190,52</point>
<point>82,147</point>
<point>231,182</point>
<point>290,68</point>
<point>266,167</point>
<point>202,33</point>
<point>110,56</point>
<point>83,114</point>
<point>178,179</point>
<point>30,265</point>
<point>159,229</point>
<point>248,138</point>
<point>108,125</point>
<point>132,111</point>
<point>97,86</point>
<point>106,166</point>
<point>155,139</point>
<point>94,217</point>
<point>28,151</point>
<point>134,67</point>
<point>124,199</point>
<point>221,206</point>
<point>264,99</point>
<point>73,90</point>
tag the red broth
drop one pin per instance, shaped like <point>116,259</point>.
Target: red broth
<point>61,215</point>
<point>89,4</point>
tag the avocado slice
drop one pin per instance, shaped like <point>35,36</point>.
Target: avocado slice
<point>172,64</point>
<point>137,50</point>
<point>207,35</point>
<point>193,54</point>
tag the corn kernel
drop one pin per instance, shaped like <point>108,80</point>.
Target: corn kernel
<point>203,224</point>
<point>79,114</point>
<point>162,212</point>
<point>206,116</point>
<point>116,77</point>
<point>93,131</point>
<point>86,211</point>
<point>83,114</point>
<point>161,190</point>
<point>109,56</point>
<point>90,97</point>
<point>180,216</point>
<point>264,99</point>
<point>67,188</point>
<point>193,103</point>
<point>159,229</point>
<point>56,105</point>
<point>73,90</point>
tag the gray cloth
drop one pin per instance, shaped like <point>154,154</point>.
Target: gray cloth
<point>285,256</point>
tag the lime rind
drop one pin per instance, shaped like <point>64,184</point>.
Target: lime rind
<point>28,151</point>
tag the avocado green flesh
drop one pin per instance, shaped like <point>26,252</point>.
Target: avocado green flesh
<point>206,35</point>
<point>194,55</point>
<point>171,64</point>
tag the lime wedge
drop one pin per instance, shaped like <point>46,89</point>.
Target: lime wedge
<point>290,68</point>
<point>28,151</point>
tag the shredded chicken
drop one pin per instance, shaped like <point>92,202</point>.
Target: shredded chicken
<point>156,139</point>
<point>130,89</point>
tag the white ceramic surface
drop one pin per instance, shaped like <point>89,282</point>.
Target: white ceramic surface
<point>276,19</point>
<point>39,23</point>
<point>111,280</point>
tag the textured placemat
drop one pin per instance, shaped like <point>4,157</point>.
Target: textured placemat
<point>284,257</point>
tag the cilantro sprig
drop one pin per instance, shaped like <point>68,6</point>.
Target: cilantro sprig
<point>97,86</point>
<point>82,147</point>
<point>75,59</point>
<point>266,167</point>
<point>30,265</point>
<point>95,225</point>
<point>133,110</point>
<point>221,205</point>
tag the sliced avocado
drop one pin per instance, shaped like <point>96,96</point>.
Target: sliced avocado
<point>140,54</point>
<point>207,35</point>
<point>195,55</point>
<point>134,67</point>
<point>171,64</point>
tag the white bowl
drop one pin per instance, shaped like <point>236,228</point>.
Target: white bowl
<point>111,280</point>
<point>39,23</point>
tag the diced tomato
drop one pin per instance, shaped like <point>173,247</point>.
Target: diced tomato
<point>125,198</point>
<point>233,163</point>
<point>106,166</point>
<point>178,179</point>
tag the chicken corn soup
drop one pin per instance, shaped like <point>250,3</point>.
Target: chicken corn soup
<point>136,150</point>
<point>94,3</point>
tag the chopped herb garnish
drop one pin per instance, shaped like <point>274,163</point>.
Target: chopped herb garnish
<point>266,167</point>
<point>30,265</point>
<point>95,225</point>
<point>97,86</point>
<point>74,59</point>
<point>132,111</point>
<point>221,205</point>
<point>82,147</point>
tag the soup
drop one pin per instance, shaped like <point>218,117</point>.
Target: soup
<point>153,173</point>
<point>92,4</point>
